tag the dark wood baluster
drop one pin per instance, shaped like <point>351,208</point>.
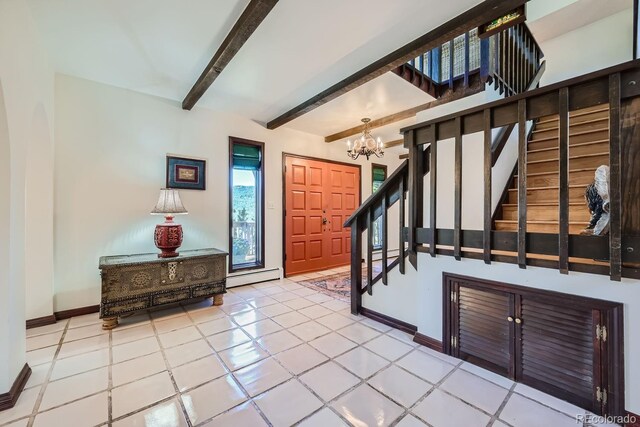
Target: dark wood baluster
<point>416,179</point>
<point>383,225</point>
<point>451,57</point>
<point>487,186</point>
<point>466,59</point>
<point>563,196</point>
<point>457,212</point>
<point>615,193</point>
<point>503,62</point>
<point>485,59</point>
<point>522,183</point>
<point>433,177</point>
<point>356,266</point>
<point>401,201</point>
<point>370,252</point>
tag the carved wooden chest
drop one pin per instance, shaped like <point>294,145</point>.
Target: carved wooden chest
<point>138,282</point>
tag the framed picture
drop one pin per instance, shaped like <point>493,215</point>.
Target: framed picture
<point>186,174</point>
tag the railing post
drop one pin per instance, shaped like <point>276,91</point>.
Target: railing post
<point>487,186</point>
<point>615,202</point>
<point>370,252</point>
<point>433,177</point>
<point>416,179</point>
<point>383,225</point>
<point>457,210</point>
<point>401,201</point>
<point>563,180</point>
<point>356,267</point>
<point>485,59</point>
<point>522,183</point>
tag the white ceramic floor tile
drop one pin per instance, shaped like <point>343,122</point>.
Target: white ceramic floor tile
<point>84,332</point>
<point>358,333</point>
<point>165,414</point>
<point>336,305</point>
<point>174,323</point>
<point>40,356</point>
<point>274,310</point>
<point>212,399</point>
<point>315,311</point>
<point>425,366</point>
<point>234,309</point>
<point>402,336</point>
<point>291,395</point>
<point>279,341</point>
<point>261,328</point>
<point>134,349</point>
<point>387,347</point>
<point>23,407</point>
<point>366,407</point>
<point>41,341</point>
<point>261,376</point>
<point>285,296</point>
<point>301,358</point>
<point>216,326</point>
<point>92,411</point>
<point>441,410</point>
<point>75,387</point>
<point>228,339</point>
<point>47,329</point>
<point>334,321</point>
<point>247,317</point>
<point>81,363</point>
<point>319,298</point>
<point>207,314</point>
<point>309,331</point>
<point>362,362</point>
<point>184,353</point>
<point>87,319</point>
<point>138,394</point>
<point>553,402</point>
<point>503,382</point>
<point>290,319</point>
<point>242,355</point>
<point>85,345</point>
<point>333,344</point>
<point>166,312</point>
<point>38,375</point>
<point>180,336</point>
<point>523,412</point>
<point>329,380</point>
<point>198,372</point>
<point>134,369</point>
<point>240,416</point>
<point>475,390</point>
<point>411,421</point>
<point>263,301</point>
<point>399,385</point>
<point>323,418</point>
<point>298,303</point>
<point>135,333</point>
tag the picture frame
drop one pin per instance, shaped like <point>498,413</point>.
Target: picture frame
<point>186,173</point>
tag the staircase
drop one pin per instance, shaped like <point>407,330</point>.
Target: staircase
<point>588,149</point>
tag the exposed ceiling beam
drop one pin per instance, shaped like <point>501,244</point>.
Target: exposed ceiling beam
<point>472,18</point>
<point>406,114</point>
<point>251,17</point>
<point>394,143</point>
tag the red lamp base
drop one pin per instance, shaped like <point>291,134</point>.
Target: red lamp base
<point>168,238</point>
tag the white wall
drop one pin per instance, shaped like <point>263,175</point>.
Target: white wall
<point>110,163</point>
<point>592,47</point>
<point>27,83</point>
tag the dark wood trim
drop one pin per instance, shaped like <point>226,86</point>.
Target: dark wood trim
<point>457,191</point>
<point>284,198</point>
<point>262,184</point>
<point>401,199</point>
<point>251,18</point>
<point>634,419</point>
<point>615,191</point>
<point>634,54</point>
<point>369,253</point>
<point>74,312</point>
<point>356,260</point>
<point>41,321</point>
<point>563,180</point>
<point>487,187</point>
<point>416,182</point>
<point>389,321</point>
<point>385,241</point>
<point>466,21</point>
<point>428,342</point>
<point>10,398</point>
<point>522,183</point>
<point>433,189</point>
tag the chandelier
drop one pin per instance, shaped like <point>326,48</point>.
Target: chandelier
<point>366,145</point>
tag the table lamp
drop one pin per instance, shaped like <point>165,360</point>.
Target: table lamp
<point>168,235</point>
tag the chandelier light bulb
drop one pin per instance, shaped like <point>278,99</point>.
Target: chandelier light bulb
<point>365,145</point>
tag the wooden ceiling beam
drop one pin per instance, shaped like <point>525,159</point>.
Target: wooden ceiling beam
<point>395,143</point>
<point>472,18</point>
<point>251,17</point>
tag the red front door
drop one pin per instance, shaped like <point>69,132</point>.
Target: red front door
<point>319,197</point>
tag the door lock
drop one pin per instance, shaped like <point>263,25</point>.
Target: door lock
<point>324,220</point>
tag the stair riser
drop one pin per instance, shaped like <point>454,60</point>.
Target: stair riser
<point>547,195</point>
<point>575,178</point>
<point>573,128</point>
<point>598,135</point>
<point>579,163</point>
<point>548,213</point>
<point>541,228</point>
<point>579,150</point>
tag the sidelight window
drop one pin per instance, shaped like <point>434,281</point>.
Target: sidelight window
<point>378,175</point>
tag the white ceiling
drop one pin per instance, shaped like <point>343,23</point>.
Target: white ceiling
<point>160,47</point>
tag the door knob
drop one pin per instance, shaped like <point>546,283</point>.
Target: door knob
<point>324,220</point>
<point>510,319</point>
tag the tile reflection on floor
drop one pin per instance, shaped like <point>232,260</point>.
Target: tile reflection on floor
<point>275,354</point>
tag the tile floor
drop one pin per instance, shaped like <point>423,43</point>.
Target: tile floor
<point>274,354</point>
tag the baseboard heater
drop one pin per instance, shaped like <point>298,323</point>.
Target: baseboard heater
<point>255,276</point>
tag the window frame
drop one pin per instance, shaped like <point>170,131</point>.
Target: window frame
<point>384,168</point>
<point>260,191</point>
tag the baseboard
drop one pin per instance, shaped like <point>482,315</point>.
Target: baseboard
<point>9,399</point>
<point>41,321</point>
<point>80,311</point>
<point>389,321</point>
<point>254,276</point>
<point>634,420</point>
<point>429,342</point>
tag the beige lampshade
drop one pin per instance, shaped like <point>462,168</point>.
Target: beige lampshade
<point>169,203</point>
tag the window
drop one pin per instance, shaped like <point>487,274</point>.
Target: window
<point>246,204</point>
<point>378,175</point>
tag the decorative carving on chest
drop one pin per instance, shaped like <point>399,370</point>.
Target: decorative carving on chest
<point>200,271</point>
<point>173,270</point>
<point>141,279</point>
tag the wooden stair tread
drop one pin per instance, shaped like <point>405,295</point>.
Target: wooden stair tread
<point>586,122</point>
<point>579,144</point>
<point>581,156</point>
<point>538,221</point>
<point>555,173</point>
<point>577,113</point>
<point>551,187</point>
<point>586,132</point>
<point>515,205</point>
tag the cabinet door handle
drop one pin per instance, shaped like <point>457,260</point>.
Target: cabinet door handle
<point>510,319</point>
<point>518,320</point>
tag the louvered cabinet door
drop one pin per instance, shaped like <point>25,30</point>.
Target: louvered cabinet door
<point>484,335</point>
<point>558,351</point>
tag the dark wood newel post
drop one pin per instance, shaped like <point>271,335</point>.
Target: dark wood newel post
<point>356,266</point>
<point>615,204</point>
<point>416,179</point>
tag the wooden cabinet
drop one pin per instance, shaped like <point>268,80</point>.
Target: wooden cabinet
<point>564,345</point>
